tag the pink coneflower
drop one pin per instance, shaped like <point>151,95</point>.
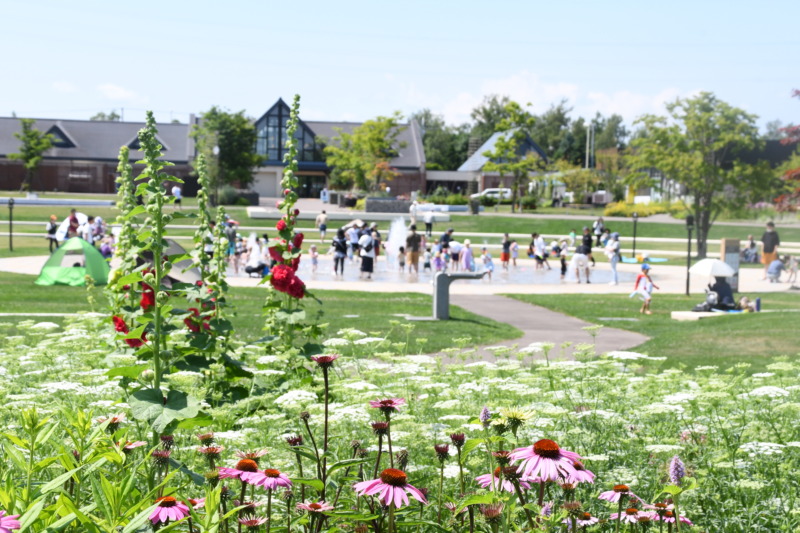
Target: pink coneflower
<point>388,405</point>
<point>583,519</point>
<point>488,481</point>
<point>253,524</point>
<point>442,452</point>
<point>254,455</point>
<point>246,470</point>
<point>380,428</point>
<point>314,507</point>
<point>211,453</point>
<point>113,422</point>
<point>206,439</point>
<point>453,508</point>
<point>492,513</point>
<point>168,509</point>
<point>325,361</point>
<point>619,491</point>
<point>545,460</point>
<point>8,522</point>
<point>502,457</point>
<point>161,457</point>
<point>196,504</point>
<point>458,439</point>
<point>669,517</point>
<point>581,475</point>
<point>129,446</point>
<point>294,440</point>
<point>630,515</point>
<point>273,478</point>
<point>391,486</point>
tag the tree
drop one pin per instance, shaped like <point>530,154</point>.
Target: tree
<point>610,132</point>
<point>361,159</point>
<point>488,116</point>
<point>790,171</point>
<point>34,145</point>
<point>508,156</point>
<point>234,136</point>
<point>111,117</point>
<point>697,146</point>
<point>551,129</point>
<point>445,146</point>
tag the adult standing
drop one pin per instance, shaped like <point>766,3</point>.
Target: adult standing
<point>339,252</point>
<point>612,250</point>
<point>580,260</point>
<point>455,254</point>
<point>428,217</point>
<point>366,250</point>
<point>413,241</point>
<point>598,227</point>
<point>353,235</point>
<point>86,230</point>
<point>770,242</point>
<point>446,238</point>
<point>587,242</point>
<point>321,222</point>
<point>505,253</point>
<point>177,193</point>
<point>377,239</point>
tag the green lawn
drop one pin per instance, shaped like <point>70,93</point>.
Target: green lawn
<point>755,338</point>
<point>376,313</point>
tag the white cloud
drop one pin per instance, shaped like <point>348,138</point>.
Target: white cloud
<point>64,87</point>
<point>115,92</point>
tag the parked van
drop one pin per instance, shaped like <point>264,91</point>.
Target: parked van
<point>496,193</point>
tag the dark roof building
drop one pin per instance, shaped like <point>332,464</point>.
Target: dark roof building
<point>84,153</point>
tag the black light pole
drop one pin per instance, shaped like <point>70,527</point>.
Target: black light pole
<point>689,228</point>
<point>635,219</point>
<point>11,224</point>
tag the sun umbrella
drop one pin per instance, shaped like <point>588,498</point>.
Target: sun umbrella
<point>712,267</point>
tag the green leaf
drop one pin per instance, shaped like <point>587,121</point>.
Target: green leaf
<point>30,515</point>
<point>201,420</point>
<point>673,490</point>
<point>138,210</point>
<point>345,463</point>
<point>315,484</point>
<point>477,499</point>
<point>58,481</point>
<point>151,406</point>
<point>137,521</point>
<point>470,445</point>
<point>131,372</point>
<point>415,523</point>
<point>352,515</point>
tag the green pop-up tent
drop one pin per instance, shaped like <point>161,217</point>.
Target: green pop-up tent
<point>74,260</point>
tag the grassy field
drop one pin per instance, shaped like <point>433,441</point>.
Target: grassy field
<point>755,338</point>
<point>377,312</point>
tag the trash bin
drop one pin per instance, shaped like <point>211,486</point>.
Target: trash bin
<point>474,206</point>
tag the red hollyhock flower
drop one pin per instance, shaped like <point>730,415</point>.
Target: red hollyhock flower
<point>275,254</point>
<point>119,324</point>
<point>282,276</point>
<point>281,225</point>
<point>297,289</point>
<point>193,322</point>
<point>148,297</point>
<point>298,240</point>
<point>122,327</point>
<point>295,264</point>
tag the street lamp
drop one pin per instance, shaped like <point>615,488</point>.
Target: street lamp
<point>689,228</point>
<point>215,150</point>
<point>11,224</point>
<point>635,219</point>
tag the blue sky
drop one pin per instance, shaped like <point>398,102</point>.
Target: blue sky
<point>356,60</point>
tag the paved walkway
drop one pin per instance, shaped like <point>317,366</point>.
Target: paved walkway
<point>542,325</point>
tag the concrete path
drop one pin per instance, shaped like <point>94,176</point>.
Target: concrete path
<point>542,325</point>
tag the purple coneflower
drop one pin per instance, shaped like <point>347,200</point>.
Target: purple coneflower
<point>161,457</point>
<point>630,515</point>
<point>129,446</point>
<point>246,470</point>
<point>167,441</point>
<point>458,439</point>
<point>380,428</point>
<point>273,478</point>
<point>314,507</point>
<point>252,523</point>
<point>493,480</point>
<point>581,475</point>
<point>325,361</point>
<point>492,512</point>
<point>254,455</point>
<point>669,517</point>
<point>294,440</point>
<point>388,405</point>
<point>545,460</point>
<point>584,519</point>
<point>391,486</point>
<point>168,509</point>
<point>442,452</point>
<point>453,508</point>
<point>197,503</point>
<point>206,439</point>
<point>113,422</point>
<point>8,522</point>
<point>616,493</point>
<point>211,453</point>
<point>503,457</point>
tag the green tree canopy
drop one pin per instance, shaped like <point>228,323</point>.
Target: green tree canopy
<point>235,137</point>
<point>361,159</point>
<point>697,146</point>
<point>113,116</point>
<point>34,145</point>
<point>488,116</point>
<point>790,171</point>
<point>445,146</point>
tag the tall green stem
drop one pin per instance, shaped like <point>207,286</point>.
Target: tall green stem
<point>325,438</point>
<point>521,497</point>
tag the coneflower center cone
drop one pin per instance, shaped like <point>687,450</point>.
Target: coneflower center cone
<point>394,477</point>
<point>547,448</point>
<point>247,465</point>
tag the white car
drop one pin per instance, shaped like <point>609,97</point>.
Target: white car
<point>497,194</point>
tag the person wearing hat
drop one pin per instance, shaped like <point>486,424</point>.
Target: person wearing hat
<point>612,250</point>
<point>52,228</point>
<point>644,288</point>
<point>467,258</point>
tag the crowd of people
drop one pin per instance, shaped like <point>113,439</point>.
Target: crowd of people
<point>90,228</point>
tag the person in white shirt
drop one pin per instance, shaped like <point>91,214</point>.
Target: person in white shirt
<point>612,251</point>
<point>541,252</point>
<point>178,194</point>
<point>366,249</point>
<point>412,212</point>
<point>428,218</point>
<point>86,230</point>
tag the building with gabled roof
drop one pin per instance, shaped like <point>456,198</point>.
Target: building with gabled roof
<point>84,153</point>
<point>312,136</point>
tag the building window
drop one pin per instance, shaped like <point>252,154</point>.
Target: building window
<point>272,136</point>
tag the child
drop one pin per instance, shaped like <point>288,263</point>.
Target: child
<point>312,251</point>
<point>401,258</point>
<point>446,258</point>
<point>562,256</point>
<point>644,288</point>
<point>426,259</point>
<point>438,262</point>
<point>488,265</point>
<point>514,252</point>
<point>791,268</point>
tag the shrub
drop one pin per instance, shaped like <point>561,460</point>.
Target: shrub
<point>228,196</point>
<point>361,204</point>
<point>456,199</point>
<point>488,201</point>
<point>622,209</point>
<point>529,202</point>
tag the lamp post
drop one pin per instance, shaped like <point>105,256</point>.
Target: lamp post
<point>11,224</point>
<point>635,219</point>
<point>689,228</point>
<point>217,175</point>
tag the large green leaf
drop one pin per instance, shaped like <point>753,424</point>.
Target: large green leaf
<point>150,405</point>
